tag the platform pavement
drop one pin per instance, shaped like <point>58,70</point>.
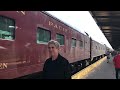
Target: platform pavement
<point>99,70</point>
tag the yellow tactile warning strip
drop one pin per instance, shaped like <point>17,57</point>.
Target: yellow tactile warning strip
<point>83,73</point>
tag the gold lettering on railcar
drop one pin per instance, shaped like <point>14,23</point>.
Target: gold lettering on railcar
<point>23,12</point>
<point>50,23</point>
<point>65,30</point>
<point>60,28</point>
<point>3,65</point>
<point>57,26</point>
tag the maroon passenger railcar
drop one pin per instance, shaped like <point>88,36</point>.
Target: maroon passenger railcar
<point>23,42</point>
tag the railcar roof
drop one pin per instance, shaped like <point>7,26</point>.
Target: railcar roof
<point>61,21</point>
<point>65,24</point>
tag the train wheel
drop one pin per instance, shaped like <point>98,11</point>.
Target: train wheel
<point>73,68</point>
<point>83,63</point>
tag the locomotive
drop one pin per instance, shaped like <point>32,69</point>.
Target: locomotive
<point>23,43</point>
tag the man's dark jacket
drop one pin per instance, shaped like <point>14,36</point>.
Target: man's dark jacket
<point>57,69</point>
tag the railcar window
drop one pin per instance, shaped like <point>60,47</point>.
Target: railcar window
<point>43,36</point>
<point>60,39</point>
<point>7,28</point>
<point>81,43</point>
<point>73,42</point>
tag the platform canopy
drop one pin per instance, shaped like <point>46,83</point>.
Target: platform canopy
<point>109,23</point>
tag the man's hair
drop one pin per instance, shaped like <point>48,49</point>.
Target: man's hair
<point>56,43</point>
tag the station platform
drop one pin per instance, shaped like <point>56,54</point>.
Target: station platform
<point>99,70</point>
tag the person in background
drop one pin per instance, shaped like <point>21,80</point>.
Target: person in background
<point>108,56</point>
<point>56,67</point>
<point>116,62</point>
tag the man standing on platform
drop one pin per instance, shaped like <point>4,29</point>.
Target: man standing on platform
<point>108,56</point>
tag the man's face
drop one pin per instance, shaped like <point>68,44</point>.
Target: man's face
<point>52,50</point>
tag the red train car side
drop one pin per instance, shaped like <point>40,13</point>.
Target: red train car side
<point>23,43</point>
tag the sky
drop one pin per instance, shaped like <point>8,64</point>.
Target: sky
<point>83,22</point>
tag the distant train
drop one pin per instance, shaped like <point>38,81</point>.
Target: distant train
<point>23,43</point>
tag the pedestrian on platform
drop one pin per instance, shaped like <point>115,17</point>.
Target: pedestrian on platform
<point>56,67</point>
<point>116,62</point>
<point>108,56</point>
